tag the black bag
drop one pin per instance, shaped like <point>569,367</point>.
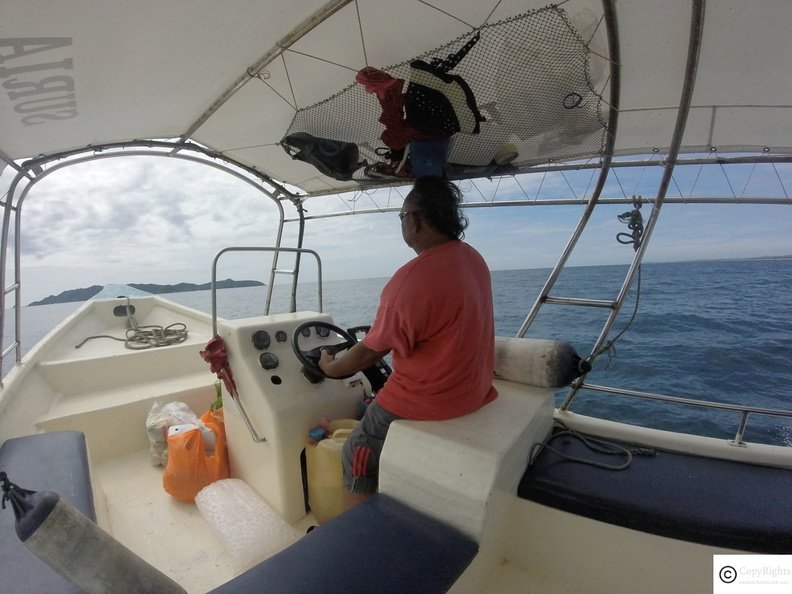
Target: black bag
<point>440,104</point>
<point>333,158</point>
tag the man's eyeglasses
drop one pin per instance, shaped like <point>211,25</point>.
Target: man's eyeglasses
<point>405,213</point>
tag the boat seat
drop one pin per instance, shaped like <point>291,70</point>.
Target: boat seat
<point>471,465</point>
<point>378,546</point>
<point>715,502</point>
<point>56,462</point>
<point>461,470</point>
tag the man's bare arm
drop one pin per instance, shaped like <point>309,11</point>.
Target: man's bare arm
<point>357,358</point>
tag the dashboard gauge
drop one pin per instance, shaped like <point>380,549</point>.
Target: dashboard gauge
<point>268,360</point>
<point>261,339</point>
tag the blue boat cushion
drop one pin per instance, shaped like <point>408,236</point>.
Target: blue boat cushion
<point>58,462</point>
<point>378,546</point>
<point>714,502</point>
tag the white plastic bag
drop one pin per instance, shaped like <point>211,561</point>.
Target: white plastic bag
<point>159,420</point>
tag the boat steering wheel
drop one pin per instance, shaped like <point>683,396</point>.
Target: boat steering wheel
<point>334,340</point>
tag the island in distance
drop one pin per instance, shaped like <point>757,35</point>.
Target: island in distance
<point>89,292</point>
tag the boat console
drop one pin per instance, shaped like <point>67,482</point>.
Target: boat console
<point>279,405</point>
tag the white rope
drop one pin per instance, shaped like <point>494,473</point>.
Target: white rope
<point>145,337</point>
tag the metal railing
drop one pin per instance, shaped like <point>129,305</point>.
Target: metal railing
<point>293,304</point>
<point>275,250</point>
<point>739,408</point>
<point>33,172</point>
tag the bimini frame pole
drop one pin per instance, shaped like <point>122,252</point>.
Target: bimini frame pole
<point>610,143</point>
<point>9,209</point>
<point>691,68</point>
<point>305,27</point>
<point>149,148</point>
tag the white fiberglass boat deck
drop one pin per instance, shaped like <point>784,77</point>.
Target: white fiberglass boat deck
<point>582,85</point>
<point>468,478</point>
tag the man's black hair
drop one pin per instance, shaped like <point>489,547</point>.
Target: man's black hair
<point>437,199</point>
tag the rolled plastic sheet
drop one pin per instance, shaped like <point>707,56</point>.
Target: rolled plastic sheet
<point>248,528</point>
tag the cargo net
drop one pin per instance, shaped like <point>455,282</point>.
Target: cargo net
<point>530,81</point>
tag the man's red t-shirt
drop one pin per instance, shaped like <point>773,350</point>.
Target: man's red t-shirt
<point>435,316</point>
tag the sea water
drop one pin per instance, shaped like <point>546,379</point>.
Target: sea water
<point>712,330</point>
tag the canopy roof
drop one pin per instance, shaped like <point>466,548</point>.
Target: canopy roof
<point>231,75</point>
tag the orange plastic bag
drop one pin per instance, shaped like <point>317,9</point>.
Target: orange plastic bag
<point>190,467</point>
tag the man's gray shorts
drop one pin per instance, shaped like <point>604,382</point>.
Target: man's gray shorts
<point>361,453</point>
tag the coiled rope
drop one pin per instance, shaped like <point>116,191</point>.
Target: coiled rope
<point>139,338</point>
<point>595,445</point>
<point>635,224</point>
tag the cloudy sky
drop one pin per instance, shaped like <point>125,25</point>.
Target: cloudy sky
<point>154,220</point>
